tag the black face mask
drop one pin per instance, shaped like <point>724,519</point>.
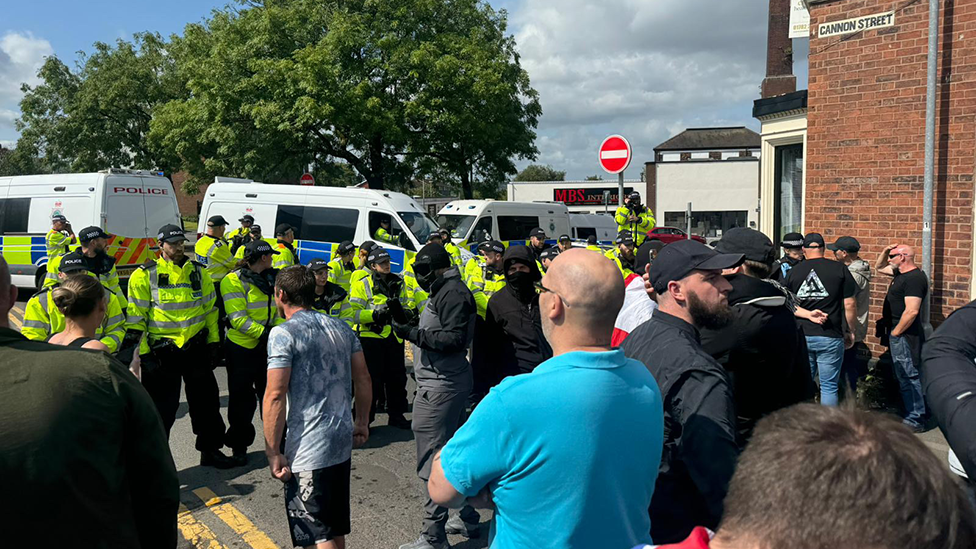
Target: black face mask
<point>522,284</point>
<point>425,276</point>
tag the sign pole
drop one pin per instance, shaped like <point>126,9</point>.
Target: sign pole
<point>620,189</point>
<point>688,215</point>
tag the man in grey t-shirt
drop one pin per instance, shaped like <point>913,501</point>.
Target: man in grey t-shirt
<point>846,251</point>
<point>313,361</point>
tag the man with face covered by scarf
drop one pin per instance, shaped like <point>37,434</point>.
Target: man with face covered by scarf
<point>444,380</point>
<point>513,325</point>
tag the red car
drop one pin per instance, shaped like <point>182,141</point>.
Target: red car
<point>668,235</point>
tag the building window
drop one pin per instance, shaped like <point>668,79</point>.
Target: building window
<point>707,224</point>
<point>670,157</point>
<point>788,191</point>
<point>699,156</point>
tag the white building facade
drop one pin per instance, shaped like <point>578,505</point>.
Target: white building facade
<point>592,197</point>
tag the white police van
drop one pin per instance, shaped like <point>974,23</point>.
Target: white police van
<point>322,216</point>
<point>129,205</point>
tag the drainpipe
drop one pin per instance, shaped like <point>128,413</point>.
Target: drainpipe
<point>930,90</point>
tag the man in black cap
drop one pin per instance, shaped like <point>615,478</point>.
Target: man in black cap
<point>444,380</point>
<point>451,248</point>
<point>330,298</point>
<point>546,257</point>
<point>94,242</point>
<point>537,243</point>
<point>825,285</point>
<point>634,217</point>
<point>700,446</point>
<point>287,256</point>
<point>254,234</point>
<point>60,238</point>
<point>565,243</point>
<point>213,252</point>
<point>591,244</point>
<point>343,264</point>
<point>623,255</point>
<point>846,251</point>
<point>239,236</point>
<point>762,348</point>
<point>792,245</point>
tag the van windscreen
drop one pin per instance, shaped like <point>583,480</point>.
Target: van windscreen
<point>457,224</point>
<point>420,224</point>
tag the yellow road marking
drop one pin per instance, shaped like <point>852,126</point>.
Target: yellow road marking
<point>16,317</point>
<point>235,519</point>
<point>195,531</point>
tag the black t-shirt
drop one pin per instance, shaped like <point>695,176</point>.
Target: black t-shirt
<point>822,284</point>
<point>914,283</point>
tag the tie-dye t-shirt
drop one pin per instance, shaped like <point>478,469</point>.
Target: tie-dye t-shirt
<point>319,350</point>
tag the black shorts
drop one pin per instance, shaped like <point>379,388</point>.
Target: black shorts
<point>317,503</point>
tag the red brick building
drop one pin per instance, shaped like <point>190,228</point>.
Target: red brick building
<point>863,148</point>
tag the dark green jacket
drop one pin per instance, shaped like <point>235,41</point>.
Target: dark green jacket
<point>83,455</point>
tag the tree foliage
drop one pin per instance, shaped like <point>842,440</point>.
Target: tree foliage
<point>597,177</point>
<point>538,172</point>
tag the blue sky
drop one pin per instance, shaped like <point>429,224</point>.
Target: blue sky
<point>644,68</point>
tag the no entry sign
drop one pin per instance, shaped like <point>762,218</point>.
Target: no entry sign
<point>615,154</point>
<point>307,179</point>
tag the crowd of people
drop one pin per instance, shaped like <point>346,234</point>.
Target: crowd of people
<point>591,398</point>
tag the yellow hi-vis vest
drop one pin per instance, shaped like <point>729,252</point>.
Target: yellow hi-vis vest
<point>109,280</point>
<point>416,294</point>
<point>214,254</point>
<point>285,257</point>
<point>362,302</point>
<point>339,274</point>
<point>639,228</point>
<point>164,304</point>
<point>250,311</point>
<point>57,243</point>
<point>42,319</point>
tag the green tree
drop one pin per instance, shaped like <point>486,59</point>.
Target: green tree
<point>538,172</point>
<point>594,178</point>
<point>98,116</point>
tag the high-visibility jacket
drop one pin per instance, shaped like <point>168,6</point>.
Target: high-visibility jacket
<point>340,274</point>
<point>417,295</point>
<point>42,319</point>
<point>109,280</point>
<point>626,268</point>
<point>214,254</point>
<point>239,254</point>
<point>594,248</point>
<point>363,300</point>
<point>358,275</point>
<point>285,258</point>
<point>58,242</point>
<point>382,235</point>
<point>250,311</point>
<point>240,231</point>
<point>455,254</point>
<point>483,282</point>
<point>638,228</point>
<point>337,309</point>
<point>172,302</point>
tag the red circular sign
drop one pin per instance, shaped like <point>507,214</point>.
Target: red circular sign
<point>307,179</point>
<point>615,154</point>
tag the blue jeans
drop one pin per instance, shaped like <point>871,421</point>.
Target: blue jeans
<point>904,358</point>
<point>827,357</point>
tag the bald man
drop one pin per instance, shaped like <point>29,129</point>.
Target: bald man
<point>901,318</point>
<point>568,454</point>
<point>112,472</point>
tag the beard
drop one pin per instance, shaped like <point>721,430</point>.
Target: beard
<point>710,317</point>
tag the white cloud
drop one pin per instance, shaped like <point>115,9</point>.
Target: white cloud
<point>644,68</point>
<point>21,55</point>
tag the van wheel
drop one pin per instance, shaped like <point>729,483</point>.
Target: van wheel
<point>39,277</point>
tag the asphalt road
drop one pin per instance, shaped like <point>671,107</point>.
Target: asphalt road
<point>244,507</point>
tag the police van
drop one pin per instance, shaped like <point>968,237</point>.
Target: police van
<point>129,205</point>
<point>323,217</point>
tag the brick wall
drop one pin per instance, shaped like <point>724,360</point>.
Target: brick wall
<point>650,179</point>
<point>188,203</point>
<point>865,139</point>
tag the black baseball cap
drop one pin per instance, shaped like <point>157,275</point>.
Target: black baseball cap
<point>377,255</point>
<point>792,240</point>
<point>642,256</point>
<point>318,264</point>
<point>367,245</point>
<point>634,195</point>
<point>58,217</point>
<point>345,247</point>
<point>491,246</point>
<point>624,237</point>
<point>813,240</point>
<point>431,257</point>
<point>247,217</point>
<point>434,236</point>
<point>171,233</point>
<point>216,221</point>
<point>73,262</point>
<point>845,244</point>
<point>537,232</point>
<point>565,238</point>
<point>256,229</point>
<point>88,234</point>
<point>280,230</point>
<point>549,253</point>
<point>258,247</point>
<point>678,259</point>
<point>752,244</point>
<point>591,239</point>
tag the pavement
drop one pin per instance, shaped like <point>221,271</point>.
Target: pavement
<point>244,507</point>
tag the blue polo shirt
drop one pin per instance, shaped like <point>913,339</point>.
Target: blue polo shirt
<point>570,452</point>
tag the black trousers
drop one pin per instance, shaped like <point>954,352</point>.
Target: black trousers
<point>247,378</point>
<point>384,359</point>
<point>161,379</point>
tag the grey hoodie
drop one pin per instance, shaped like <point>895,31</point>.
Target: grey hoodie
<point>861,271</point>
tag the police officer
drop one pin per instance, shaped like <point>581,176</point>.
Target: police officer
<point>382,233</point>
<point>94,242</point>
<point>330,298</point>
<point>547,256</point>
<point>287,257</point>
<point>565,243</point>
<point>452,249</point>
<point>363,271</point>
<point>213,252</point>
<point>238,237</point>
<point>253,234</point>
<point>372,314</point>
<point>591,244</point>
<point>248,294</point>
<point>343,265</point>
<point>488,279</point>
<point>623,255</point>
<point>634,217</point>
<point>444,379</point>
<point>60,237</point>
<point>172,302</point>
<point>42,318</point>
<point>792,245</point>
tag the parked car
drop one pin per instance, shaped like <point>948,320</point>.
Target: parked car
<point>667,235</point>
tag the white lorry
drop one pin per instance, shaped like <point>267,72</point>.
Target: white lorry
<point>129,205</point>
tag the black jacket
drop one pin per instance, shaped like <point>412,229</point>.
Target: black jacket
<point>781,268</point>
<point>949,383</point>
<point>513,326</point>
<point>333,294</point>
<point>445,331</point>
<point>763,350</point>
<point>700,447</point>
